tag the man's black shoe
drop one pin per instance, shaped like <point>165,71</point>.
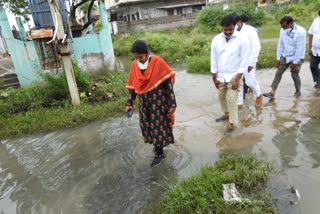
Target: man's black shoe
<point>157,160</point>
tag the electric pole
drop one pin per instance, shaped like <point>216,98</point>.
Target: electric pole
<point>65,53</point>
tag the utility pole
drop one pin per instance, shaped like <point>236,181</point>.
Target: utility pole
<point>65,53</point>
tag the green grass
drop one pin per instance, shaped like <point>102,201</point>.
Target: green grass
<point>267,59</point>
<point>203,193</point>
<point>44,120</point>
<point>199,64</point>
<point>34,109</point>
<point>271,29</point>
<point>268,55</point>
<point>173,46</point>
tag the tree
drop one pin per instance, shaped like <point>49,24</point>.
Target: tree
<point>17,7</point>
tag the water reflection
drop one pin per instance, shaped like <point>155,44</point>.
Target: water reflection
<point>243,143</point>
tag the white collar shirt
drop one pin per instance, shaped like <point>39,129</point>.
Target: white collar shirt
<point>314,30</point>
<point>254,43</point>
<point>229,58</point>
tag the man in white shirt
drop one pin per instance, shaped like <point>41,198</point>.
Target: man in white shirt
<point>314,52</point>
<point>245,20</point>
<point>229,59</point>
<point>250,73</point>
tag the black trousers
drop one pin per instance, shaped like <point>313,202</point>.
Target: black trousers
<point>314,67</point>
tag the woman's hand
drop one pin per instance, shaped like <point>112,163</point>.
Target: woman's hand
<point>128,108</point>
<point>171,110</point>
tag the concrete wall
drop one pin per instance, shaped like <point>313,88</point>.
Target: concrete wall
<point>94,52</point>
<point>157,24</point>
<point>23,54</point>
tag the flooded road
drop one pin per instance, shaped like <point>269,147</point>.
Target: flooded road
<point>104,167</point>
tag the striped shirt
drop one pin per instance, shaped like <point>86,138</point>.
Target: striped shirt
<point>292,45</point>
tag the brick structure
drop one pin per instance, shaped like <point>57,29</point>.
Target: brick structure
<point>152,15</point>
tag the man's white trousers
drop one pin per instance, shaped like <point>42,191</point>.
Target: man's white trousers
<point>250,79</point>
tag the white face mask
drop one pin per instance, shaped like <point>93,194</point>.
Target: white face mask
<point>288,30</point>
<point>236,27</point>
<point>227,37</point>
<point>144,65</point>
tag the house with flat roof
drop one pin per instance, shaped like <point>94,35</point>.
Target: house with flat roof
<point>152,15</point>
<point>131,10</point>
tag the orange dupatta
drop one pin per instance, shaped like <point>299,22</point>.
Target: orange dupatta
<point>156,73</point>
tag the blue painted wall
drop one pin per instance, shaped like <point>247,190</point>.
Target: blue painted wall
<point>92,52</point>
<point>86,46</point>
<point>23,54</point>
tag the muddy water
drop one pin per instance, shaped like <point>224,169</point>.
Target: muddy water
<point>103,167</point>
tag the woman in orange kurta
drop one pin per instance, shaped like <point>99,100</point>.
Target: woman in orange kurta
<point>151,79</point>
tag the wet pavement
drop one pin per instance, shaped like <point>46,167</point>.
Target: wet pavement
<point>104,167</point>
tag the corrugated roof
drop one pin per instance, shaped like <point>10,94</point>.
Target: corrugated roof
<point>41,13</point>
<point>180,5</point>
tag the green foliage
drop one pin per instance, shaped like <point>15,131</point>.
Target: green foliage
<point>85,7</point>
<point>98,25</point>
<point>211,17</point>
<point>173,46</point>
<point>46,106</point>
<point>45,120</point>
<point>300,11</point>
<point>53,91</point>
<point>17,7</point>
<point>202,193</point>
<point>110,87</point>
<point>199,64</point>
<point>122,44</point>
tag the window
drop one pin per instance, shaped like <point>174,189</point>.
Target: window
<point>196,8</point>
<point>179,11</point>
<point>170,12</point>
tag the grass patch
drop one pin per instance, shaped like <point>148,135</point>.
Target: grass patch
<point>173,46</point>
<point>203,192</point>
<point>199,64</point>
<point>46,106</point>
<point>44,120</point>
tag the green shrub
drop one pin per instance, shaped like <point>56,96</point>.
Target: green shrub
<point>199,64</point>
<point>98,25</point>
<point>52,91</point>
<point>111,87</point>
<point>211,17</point>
